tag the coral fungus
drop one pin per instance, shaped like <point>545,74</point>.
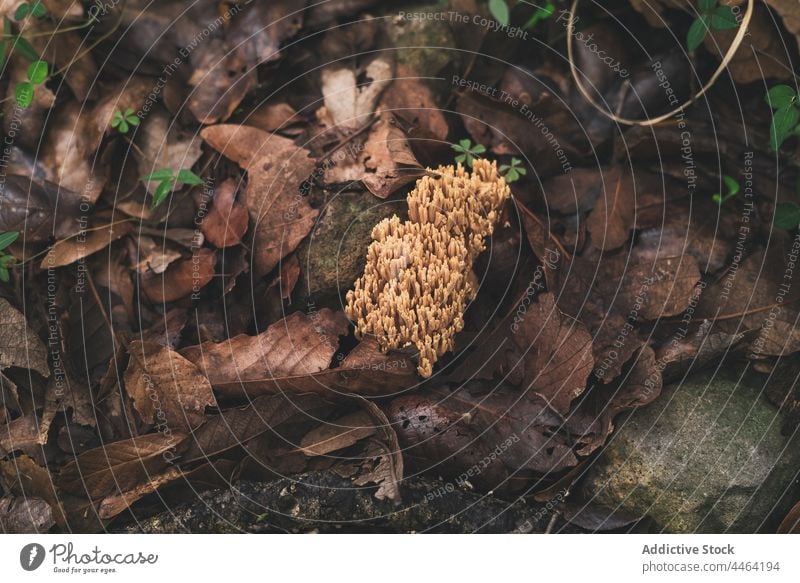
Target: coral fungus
<point>418,277</point>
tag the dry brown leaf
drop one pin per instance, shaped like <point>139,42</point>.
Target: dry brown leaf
<point>167,390</point>
<point>338,434</point>
<point>19,345</point>
<point>25,515</point>
<point>119,466</point>
<point>115,504</point>
<point>182,278</point>
<point>555,353</point>
<point>614,211</point>
<point>226,222</point>
<point>27,478</point>
<point>277,169</point>
<point>68,251</point>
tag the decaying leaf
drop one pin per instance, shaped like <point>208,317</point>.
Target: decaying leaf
<point>277,171</point>
<point>167,390</point>
<point>19,345</point>
<point>25,515</point>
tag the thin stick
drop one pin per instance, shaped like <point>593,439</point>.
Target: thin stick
<point>737,41</point>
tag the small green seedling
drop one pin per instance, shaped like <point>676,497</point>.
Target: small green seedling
<point>732,187</point>
<point>512,172</point>
<point>168,180</point>
<point>500,12</point>
<point>6,261</point>
<point>785,102</point>
<point>711,17</point>
<point>123,120</point>
<point>35,9</point>
<point>37,74</point>
<point>467,152</point>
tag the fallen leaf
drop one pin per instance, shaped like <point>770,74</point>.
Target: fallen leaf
<point>113,505</point>
<point>25,515</point>
<point>337,434</point>
<point>226,222</point>
<point>277,169</point>
<point>19,345</point>
<point>182,278</point>
<point>119,466</point>
<point>94,239</point>
<point>167,390</point>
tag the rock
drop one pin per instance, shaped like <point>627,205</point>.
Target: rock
<point>707,456</point>
<point>425,45</point>
<point>333,257</point>
<point>325,502</point>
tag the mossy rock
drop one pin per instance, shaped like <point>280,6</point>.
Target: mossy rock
<point>707,456</point>
<point>333,256</point>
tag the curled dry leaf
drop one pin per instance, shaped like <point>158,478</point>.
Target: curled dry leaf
<point>19,345</point>
<point>277,170</point>
<point>27,478</point>
<point>167,390</point>
<point>30,208</point>
<point>226,222</point>
<point>182,278</point>
<point>338,434</point>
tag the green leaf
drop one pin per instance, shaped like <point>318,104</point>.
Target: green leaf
<point>697,32</point>
<point>781,96</point>
<point>717,198</point>
<point>38,10</point>
<point>189,177</point>
<point>23,93</point>
<point>731,184</point>
<point>24,48</point>
<point>499,10</point>
<point>706,5</point>
<point>22,11</point>
<point>783,123</point>
<point>723,18</point>
<point>4,275</point>
<point>133,120</point>
<point>461,159</point>
<point>116,119</point>
<point>123,126</point>
<point>162,174</point>
<point>37,72</point>
<point>479,149</point>
<point>787,215</point>
<point>7,239</point>
<point>161,193</point>
<point>466,144</point>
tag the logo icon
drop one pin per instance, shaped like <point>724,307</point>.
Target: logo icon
<point>31,556</point>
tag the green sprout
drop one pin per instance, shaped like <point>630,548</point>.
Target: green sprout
<point>783,99</point>
<point>711,17</point>
<point>467,152</point>
<point>168,180</point>
<point>6,261</point>
<point>38,72</point>
<point>122,121</point>
<point>35,9</point>
<point>733,188</point>
<point>500,12</point>
<point>514,171</point>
